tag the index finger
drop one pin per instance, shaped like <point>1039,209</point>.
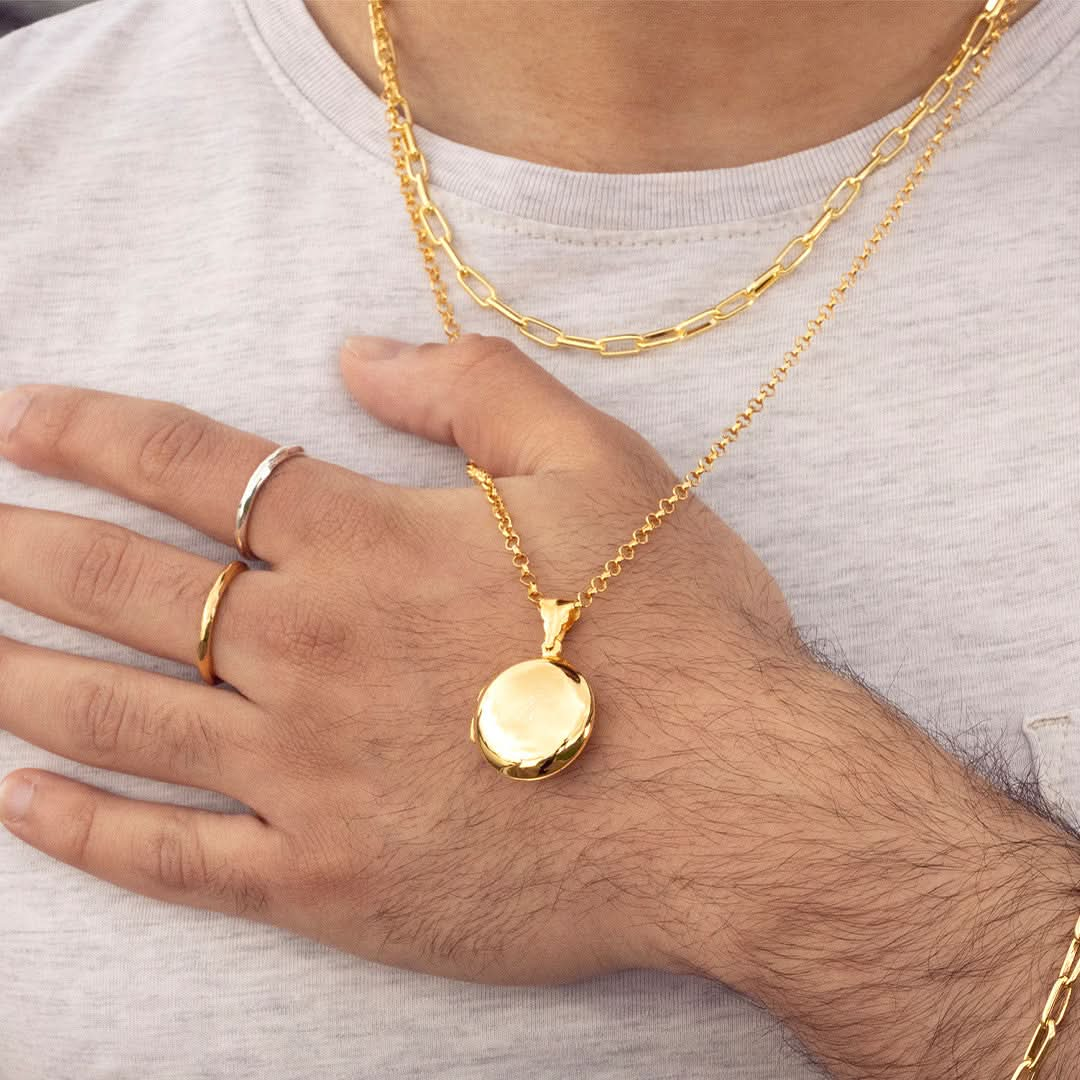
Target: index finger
<point>170,458</point>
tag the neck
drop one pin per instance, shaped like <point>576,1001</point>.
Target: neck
<point>653,85</point>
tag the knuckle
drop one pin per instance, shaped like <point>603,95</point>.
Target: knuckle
<point>178,440</point>
<point>54,419</point>
<point>109,722</point>
<point>240,890</point>
<point>81,828</point>
<point>171,857</point>
<point>298,870</point>
<point>96,715</point>
<point>186,738</point>
<point>307,636</point>
<point>480,356</point>
<point>362,528</point>
<point>99,572</point>
<point>645,469</point>
<point>51,426</point>
<point>333,518</point>
<point>174,589</point>
<point>319,863</point>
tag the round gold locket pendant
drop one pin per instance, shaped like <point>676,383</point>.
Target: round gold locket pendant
<point>534,718</point>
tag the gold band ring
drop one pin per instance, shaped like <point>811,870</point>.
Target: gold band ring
<point>254,485</point>
<point>204,659</point>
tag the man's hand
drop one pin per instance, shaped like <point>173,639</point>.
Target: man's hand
<point>740,810</point>
<point>357,659</point>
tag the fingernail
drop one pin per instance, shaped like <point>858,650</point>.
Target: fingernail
<point>15,795</point>
<point>372,349</point>
<point>13,403</point>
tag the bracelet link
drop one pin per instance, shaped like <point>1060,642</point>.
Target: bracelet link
<point>1036,1051</point>
<point>1057,1004</point>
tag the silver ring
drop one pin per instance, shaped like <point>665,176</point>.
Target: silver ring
<point>254,485</point>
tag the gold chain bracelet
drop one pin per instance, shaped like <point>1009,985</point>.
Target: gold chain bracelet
<point>1057,1005</point>
<point>412,169</point>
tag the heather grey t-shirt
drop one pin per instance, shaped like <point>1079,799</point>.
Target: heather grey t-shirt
<point>197,203</point>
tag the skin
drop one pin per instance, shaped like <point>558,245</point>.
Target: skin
<point>607,86</point>
<point>743,811</point>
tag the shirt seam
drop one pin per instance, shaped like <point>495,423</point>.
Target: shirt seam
<point>531,228</point>
<point>1048,720</point>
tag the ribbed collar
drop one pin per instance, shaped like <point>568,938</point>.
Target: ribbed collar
<point>292,45</point>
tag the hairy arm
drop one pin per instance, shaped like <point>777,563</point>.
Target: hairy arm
<point>904,916</point>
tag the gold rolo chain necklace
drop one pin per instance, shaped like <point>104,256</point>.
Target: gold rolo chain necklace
<point>535,718</point>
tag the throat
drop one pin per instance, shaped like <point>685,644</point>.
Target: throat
<point>653,85</point>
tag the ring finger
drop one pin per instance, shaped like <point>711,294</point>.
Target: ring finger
<point>110,581</point>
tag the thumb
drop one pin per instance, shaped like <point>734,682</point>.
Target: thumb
<point>485,395</point>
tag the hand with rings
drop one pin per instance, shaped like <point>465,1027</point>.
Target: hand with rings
<point>350,662</point>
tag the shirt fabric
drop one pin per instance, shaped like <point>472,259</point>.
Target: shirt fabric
<point>197,204</point>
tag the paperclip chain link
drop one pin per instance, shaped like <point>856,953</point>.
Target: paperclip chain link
<point>433,230</point>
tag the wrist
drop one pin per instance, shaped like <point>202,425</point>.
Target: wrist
<point>892,907</point>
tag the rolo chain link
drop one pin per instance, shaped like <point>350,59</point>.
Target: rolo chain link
<point>412,167</point>
<point>975,50</point>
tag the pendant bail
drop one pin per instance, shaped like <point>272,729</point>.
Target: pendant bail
<point>558,616</point>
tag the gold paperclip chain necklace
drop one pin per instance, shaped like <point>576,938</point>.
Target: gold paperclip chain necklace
<point>412,168</point>
<point>534,718</point>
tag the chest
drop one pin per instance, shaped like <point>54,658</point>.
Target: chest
<point>912,488</point>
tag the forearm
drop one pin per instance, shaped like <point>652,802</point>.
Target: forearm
<point>908,919</point>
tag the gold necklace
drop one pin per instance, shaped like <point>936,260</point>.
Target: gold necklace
<point>412,169</point>
<point>534,718</point>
